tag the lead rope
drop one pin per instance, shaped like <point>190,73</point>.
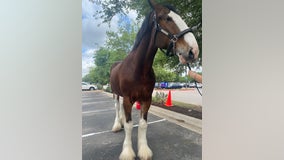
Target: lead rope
<point>194,80</point>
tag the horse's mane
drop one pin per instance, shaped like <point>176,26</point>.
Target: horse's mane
<point>145,27</point>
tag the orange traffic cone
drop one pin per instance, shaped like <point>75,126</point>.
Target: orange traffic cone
<point>169,100</point>
<point>138,106</point>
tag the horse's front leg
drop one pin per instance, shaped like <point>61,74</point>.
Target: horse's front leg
<point>144,152</point>
<point>127,150</point>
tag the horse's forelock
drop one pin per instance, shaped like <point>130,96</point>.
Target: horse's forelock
<point>170,7</point>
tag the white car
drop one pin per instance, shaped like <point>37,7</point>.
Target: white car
<point>87,86</point>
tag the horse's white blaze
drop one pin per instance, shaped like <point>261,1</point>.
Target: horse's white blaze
<point>144,152</point>
<point>127,151</point>
<point>188,37</point>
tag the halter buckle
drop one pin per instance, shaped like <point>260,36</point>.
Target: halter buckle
<point>174,38</point>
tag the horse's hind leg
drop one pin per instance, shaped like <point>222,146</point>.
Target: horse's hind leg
<point>144,152</point>
<point>117,122</point>
<point>127,150</point>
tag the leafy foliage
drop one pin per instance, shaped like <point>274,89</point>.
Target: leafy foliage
<point>117,46</point>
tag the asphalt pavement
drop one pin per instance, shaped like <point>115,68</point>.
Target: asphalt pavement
<point>167,140</point>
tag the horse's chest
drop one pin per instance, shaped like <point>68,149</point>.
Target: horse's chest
<point>140,87</point>
<point>144,86</point>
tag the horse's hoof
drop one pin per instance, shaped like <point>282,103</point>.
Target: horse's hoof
<point>116,127</point>
<point>127,154</point>
<point>145,153</point>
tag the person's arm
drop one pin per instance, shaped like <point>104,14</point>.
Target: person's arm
<point>195,76</point>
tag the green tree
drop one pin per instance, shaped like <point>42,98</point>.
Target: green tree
<point>162,68</point>
<point>118,45</point>
<point>88,78</point>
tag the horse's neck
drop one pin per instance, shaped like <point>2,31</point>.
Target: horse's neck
<point>145,53</point>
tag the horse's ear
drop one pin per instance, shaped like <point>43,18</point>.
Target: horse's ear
<point>152,3</point>
<point>156,7</point>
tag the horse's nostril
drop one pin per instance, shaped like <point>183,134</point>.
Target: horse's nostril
<point>191,55</point>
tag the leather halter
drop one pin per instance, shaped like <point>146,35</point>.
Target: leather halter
<point>173,37</point>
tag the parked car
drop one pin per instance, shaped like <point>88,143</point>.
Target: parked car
<point>193,85</point>
<point>157,85</point>
<point>168,85</point>
<point>185,85</point>
<point>173,85</point>
<point>163,85</point>
<point>88,86</point>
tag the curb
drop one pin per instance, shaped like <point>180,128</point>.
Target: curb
<point>185,121</point>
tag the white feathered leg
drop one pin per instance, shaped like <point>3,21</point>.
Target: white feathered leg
<point>127,151</point>
<point>144,152</point>
<point>117,123</point>
<point>121,114</point>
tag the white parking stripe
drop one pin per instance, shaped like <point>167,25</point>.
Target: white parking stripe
<point>94,98</point>
<point>97,111</point>
<point>85,103</point>
<point>92,134</point>
<point>97,133</point>
<point>161,120</point>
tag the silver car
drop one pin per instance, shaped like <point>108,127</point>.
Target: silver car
<point>87,86</point>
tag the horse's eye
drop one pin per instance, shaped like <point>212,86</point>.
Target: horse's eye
<point>169,19</point>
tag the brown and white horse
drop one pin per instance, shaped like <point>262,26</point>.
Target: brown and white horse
<point>134,78</point>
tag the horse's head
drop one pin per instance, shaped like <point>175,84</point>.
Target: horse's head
<point>173,34</point>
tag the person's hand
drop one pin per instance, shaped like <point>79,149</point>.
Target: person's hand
<point>195,76</point>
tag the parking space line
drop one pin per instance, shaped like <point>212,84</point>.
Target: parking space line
<point>134,126</point>
<point>97,111</point>
<point>96,98</point>
<point>85,103</point>
<point>92,134</point>
<point>161,120</point>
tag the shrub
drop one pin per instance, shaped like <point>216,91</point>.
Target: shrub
<point>100,87</point>
<point>160,97</point>
<point>108,89</point>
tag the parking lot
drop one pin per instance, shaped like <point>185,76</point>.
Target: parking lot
<point>167,140</point>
